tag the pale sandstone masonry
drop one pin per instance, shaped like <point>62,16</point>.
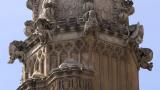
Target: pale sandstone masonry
<point>81,45</point>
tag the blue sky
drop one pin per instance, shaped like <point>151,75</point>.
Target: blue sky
<point>14,13</point>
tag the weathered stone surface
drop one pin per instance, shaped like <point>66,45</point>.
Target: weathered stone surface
<point>81,44</point>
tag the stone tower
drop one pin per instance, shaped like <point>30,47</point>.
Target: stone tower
<point>81,45</point>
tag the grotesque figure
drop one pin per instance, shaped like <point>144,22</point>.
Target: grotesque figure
<point>146,56</point>
<point>44,29</point>
<point>29,28</point>
<point>16,51</point>
<point>136,33</point>
<point>91,23</point>
<point>48,10</point>
<point>126,11</point>
<point>87,6</point>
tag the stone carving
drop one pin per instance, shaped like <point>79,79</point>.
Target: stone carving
<point>109,50</point>
<point>136,33</point>
<point>30,4</point>
<point>37,75</point>
<point>126,11</point>
<point>87,6</point>
<point>145,55</point>
<point>91,23</point>
<point>70,63</point>
<point>89,17</point>
<point>16,51</point>
<point>34,6</point>
<point>48,10</point>
<point>44,30</point>
<point>29,28</point>
<point>68,40</point>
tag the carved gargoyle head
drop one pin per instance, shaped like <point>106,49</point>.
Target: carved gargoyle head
<point>146,56</point>
<point>29,28</point>
<point>15,51</point>
<point>128,3</point>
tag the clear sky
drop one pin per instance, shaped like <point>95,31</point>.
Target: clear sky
<point>13,14</point>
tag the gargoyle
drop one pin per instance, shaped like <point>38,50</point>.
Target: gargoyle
<point>91,24</point>
<point>16,51</point>
<point>29,28</point>
<point>145,56</point>
<point>136,33</point>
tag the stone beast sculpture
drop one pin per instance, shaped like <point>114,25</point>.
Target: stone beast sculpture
<point>91,23</point>
<point>145,56</point>
<point>16,51</point>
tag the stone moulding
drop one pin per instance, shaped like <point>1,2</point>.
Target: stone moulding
<point>81,44</point>
<point>72,74</point>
